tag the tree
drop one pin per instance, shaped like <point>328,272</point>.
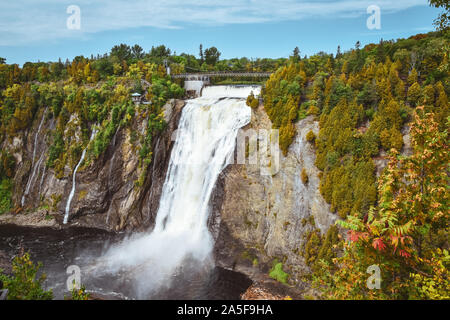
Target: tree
<point>412,76</point>
<point>137,52</point>
<point>122,52</point>
<point>24,284</point>
<point>2,60</point>
<point>160,52</point>
<point>212,56</point>
<point>442,22</point>
<point>296,54</point>
<point>405,233</point>
<point>338,52</point>
<point>414,93</point>
<point>202,58</point>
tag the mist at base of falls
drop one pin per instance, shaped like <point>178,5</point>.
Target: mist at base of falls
<point>180,241</point>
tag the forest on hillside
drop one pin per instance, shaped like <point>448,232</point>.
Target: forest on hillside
<point>366,101</point>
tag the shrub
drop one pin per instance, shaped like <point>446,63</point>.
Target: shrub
<point>24,284</point>
<point>252,101</point>
<point>305,177</point>
<point>5,195</point>
<point>80,294</point>
<point>278,274</point>
<point>313,110</point>
<point>391,139</point>
<point>310,136</point>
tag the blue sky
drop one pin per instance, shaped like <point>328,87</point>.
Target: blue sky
<point>37,30</point>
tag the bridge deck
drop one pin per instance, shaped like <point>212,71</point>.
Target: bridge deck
<point>221,74</point>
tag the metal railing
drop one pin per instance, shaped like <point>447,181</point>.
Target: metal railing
<point>221,74</point>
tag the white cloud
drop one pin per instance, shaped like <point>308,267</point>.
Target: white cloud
<point>25,21</point>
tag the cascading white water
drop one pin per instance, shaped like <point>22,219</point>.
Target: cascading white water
<point>204,145</point>
<point>72,192</point>
<point>33,167</point>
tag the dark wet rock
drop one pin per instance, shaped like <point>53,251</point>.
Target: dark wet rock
<point>5,263</point>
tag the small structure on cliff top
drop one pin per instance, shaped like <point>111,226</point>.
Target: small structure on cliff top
<point>136,97</point>
<point>139,99</point>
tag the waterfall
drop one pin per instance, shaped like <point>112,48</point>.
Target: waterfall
<point>204,145</point>
<point>72,192</point>
<point>33,167</point>
<point>111,164</point>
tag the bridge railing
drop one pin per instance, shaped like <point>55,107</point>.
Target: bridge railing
<point>221,74</point>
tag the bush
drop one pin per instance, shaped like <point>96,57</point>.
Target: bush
<point>305,177</point>
<point>391,139</point>
<point>5,195</point>
<point>310,136</point>
<point>80,294</point>
<point>252,101</point>
<point>277,273</point>
<point>313,110</point>
<point>24,284</point>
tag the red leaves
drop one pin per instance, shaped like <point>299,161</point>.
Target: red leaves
<point>356,236</point>
<point>378,244</point>
<point>353,235</point>
<point>404,253</point>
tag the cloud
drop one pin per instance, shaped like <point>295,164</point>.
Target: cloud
<point>25,21</point>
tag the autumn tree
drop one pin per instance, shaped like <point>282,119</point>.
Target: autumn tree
<point>405,233</point>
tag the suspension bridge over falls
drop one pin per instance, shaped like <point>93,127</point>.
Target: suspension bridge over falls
<point>207,75</point>
<point>194,82</point>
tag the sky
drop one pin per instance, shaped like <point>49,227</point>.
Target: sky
<point>46,30</point>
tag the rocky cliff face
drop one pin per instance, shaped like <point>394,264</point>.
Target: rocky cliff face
<point>106,194</point>
<point>263,217</point>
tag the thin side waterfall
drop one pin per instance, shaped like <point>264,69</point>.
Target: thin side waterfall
<point>33,167</point>
<point>204,145</point>
<point>111,164</point>
<point>72,192</point>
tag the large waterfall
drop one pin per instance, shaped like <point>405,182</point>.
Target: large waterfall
<point>204,144</point>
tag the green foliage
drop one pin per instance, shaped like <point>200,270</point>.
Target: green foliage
<point>7,164</point>
<point>317,248</point>
<point>56,148</point>
<point>435,286</point>
<point>252,101</point>
<point>277,272</point>
<point>5,195</point>
<point>7,167</point>
<point>414,93</point>
<point>25,283</point>
<point>212,56</point>
<point>282,99</point>
<point>80,294</point>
